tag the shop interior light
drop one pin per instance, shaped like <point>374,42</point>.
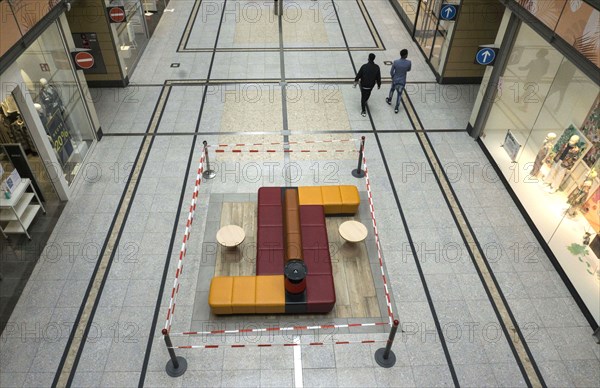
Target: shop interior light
<point>125,48</point>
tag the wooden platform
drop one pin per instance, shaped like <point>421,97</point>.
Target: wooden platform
<point>355,292</point>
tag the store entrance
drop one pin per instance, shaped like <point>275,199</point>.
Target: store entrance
<point>14,132</point>
<point>430,32</point>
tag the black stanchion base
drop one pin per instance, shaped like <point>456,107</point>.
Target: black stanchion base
<point>382,362</point>
<point>358,174</point>
<point>209,174</point>
<point>176,372</point>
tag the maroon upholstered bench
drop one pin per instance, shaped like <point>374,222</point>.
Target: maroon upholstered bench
<point>270,240</point>
<point>320,293</point>
<point>320,290</point>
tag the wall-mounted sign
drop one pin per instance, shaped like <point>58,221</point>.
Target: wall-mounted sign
<point>89,42</point>
<point>486,56</point>
<point>449,12</point>
<point>83,60</point>
<point>116,14</point>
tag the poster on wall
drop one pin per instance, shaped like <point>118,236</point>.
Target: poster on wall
<point>511,145</point>
<point>579,25</point>
<point>89,42</point>
<point>591,130</point>
<point>582,144</point>
<point>548,12</point>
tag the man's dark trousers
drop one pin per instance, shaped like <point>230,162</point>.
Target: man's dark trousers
<point>365,94</point>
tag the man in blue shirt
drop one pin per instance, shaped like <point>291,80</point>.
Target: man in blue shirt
<point>399,69</point>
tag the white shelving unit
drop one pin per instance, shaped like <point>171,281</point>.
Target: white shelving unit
<point>19,211</point>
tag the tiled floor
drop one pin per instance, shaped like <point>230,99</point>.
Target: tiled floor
<point>451,334</point>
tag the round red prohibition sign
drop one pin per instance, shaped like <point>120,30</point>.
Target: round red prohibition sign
<point>84,60</point>
<point>116,14</point>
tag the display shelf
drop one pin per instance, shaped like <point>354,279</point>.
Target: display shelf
<point>18,210</point>
<point>9,215</point>
<point>26,219</point>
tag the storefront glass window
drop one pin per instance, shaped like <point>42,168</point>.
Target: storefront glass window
<point>543,132</point>
<point>410,10</point>
<point>47,71</point>
<point>131,35</point>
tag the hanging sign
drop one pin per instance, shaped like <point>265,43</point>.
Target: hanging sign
<point>449,12</point>
<point>83,60</point>
<point>116,14</point>
<point>486,56</point>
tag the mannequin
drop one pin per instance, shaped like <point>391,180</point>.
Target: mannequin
<point>564,160</point>
<point>49,97</point>
<point>543,153</point>
<point>580,194</point>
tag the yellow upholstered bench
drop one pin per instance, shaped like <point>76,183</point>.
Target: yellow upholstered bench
<point>334,199</point>
<point>244,295</point>
<point>270,294</point>
<point>247,295</point>
<point>221,294</point>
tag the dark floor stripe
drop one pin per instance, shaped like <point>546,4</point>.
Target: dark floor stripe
<point>163,280</point>
<point>505,317</point>
<point>438,326</point>
<point>75,344</point>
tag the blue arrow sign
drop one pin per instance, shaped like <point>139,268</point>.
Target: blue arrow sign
<point>485,56</point>
<point>448,12</point>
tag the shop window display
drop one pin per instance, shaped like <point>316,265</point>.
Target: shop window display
<point>57,99</point>
<point>552,109</point>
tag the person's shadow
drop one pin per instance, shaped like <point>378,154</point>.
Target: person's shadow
<point>536,69</point>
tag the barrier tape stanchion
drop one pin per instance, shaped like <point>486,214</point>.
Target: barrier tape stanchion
<point>385,357</point>
<point>359,173</point>
<point>176,366</point>
<point>208,173</point>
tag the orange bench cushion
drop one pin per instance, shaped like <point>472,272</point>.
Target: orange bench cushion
<point>350,199</point>
<point>220,294</point>
<point>244,295</point>
<point>270,294</point>
<point>332,199</point>
<point>310,195</point>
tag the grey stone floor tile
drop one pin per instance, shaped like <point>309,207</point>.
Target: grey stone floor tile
<point>397,376</point>
<point>113,293</point>
<point>120,379</point>
<point>276,358</point>
<point>573,343</point>
<point>10,380</point>
<point>555,374</point>
<point>353,356</point>
<point>432,376</point>
<point>207,359</point>
<point>476,375</point>
<point>554,312</point>
<point>94,355</point>
<point>241,359</point>
<point>318,357</point>
<point>17,355</point>
<point>72,294</point>
<point>201,378</point>
<point>508,375</point>
<point>584,373</point>
<point>126,356</point>
<point>277,378</point>
<point>47,357</point>
<point>162,379</point>
<point>139,294</point>
<point>320,378</point>
<point>355,377</point>
<point>241,378</point>
<point>39,379</point>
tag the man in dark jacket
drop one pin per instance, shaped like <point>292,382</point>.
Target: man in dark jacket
<point>369,75</point>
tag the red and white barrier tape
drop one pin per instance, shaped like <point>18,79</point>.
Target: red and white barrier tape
<point>273,329</point>
<point>388,300</point>
<point>284,151</point>
<point>288,344</point>
<point>186,237</point>
<point>278,143</point>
